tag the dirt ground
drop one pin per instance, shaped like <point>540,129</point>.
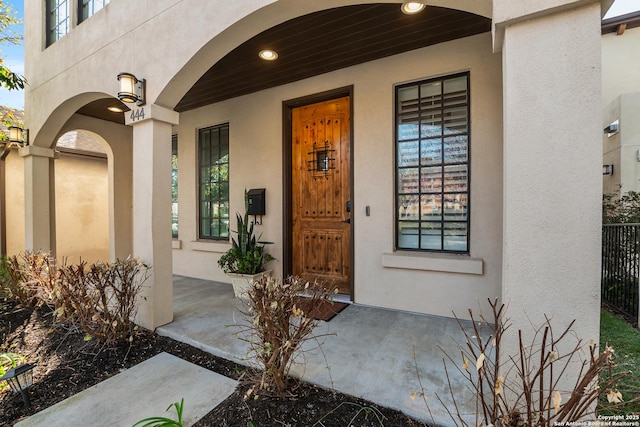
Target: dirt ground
<point>67,364</point>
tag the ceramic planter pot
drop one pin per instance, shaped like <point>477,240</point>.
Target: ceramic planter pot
<point>243,282</point>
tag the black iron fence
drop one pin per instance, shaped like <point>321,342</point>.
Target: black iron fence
<point>620,267</point>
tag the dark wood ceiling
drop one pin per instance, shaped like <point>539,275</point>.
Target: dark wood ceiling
<point>326,41</point>
<point>315,44</point>
<point>98,109</point>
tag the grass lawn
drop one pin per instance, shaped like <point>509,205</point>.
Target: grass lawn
<point>625,341</point>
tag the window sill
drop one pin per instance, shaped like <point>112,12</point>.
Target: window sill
<point>176,244</point>
<point>204,246</point>
<point>433,262</point>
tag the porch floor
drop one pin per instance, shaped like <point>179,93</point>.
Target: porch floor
<point>368,353</point>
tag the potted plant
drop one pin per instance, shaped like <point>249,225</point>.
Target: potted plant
<point>247,259</point>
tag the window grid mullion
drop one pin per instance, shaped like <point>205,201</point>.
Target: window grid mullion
<point>453,133</point>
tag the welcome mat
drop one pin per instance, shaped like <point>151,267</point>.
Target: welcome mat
<point>326,311</point>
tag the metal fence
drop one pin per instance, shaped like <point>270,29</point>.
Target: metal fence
<point>620,268</point>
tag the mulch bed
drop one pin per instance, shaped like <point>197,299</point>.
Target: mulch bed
<point>67,364</point>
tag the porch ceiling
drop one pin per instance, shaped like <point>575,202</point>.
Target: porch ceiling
<point>326,41</point>
<point>315,44</point>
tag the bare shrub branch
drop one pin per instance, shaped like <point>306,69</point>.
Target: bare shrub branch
<point>101,298</point>
<point>525,389</point>
<point>277,326</point>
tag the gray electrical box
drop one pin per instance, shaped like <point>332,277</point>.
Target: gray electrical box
<point>256,201</point>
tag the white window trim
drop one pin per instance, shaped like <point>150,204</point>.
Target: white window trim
<point>450,263</point>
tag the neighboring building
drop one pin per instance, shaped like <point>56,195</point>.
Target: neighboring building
<point>436,159</point>
<point>621,103</point>
<point>81,189</point>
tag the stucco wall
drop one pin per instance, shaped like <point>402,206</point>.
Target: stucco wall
<point>621,101</point>
<point>14,170</point>
<point>82,210</point>
<point>620,64</point>
<point>552,170</point>
<point>256,161</point>
<point>150,39</point>
<point>622,148</point>
<point>81,207</point>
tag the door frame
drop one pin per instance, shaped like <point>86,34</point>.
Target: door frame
<point>287,208</point>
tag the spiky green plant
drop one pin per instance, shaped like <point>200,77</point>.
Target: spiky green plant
<point>163,421</point>
<point>247,254</point>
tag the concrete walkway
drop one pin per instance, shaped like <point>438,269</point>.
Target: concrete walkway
<point>368,353</point>
<point>145,390</point>
<point>365,352</point>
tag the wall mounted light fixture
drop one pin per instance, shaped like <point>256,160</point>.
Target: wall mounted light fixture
<point>17,137</point>
<point>607,169</point>
<point>132,90</point>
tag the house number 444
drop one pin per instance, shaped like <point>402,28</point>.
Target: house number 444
<point>137,114</point>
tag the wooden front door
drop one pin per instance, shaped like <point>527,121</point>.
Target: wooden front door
<point>321,193</point>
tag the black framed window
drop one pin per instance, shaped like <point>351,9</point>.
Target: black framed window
<point>432,164</point>
<point>213,159</point>
<point>57,20</point>
<point>87,8</point>
<point>174,186</point>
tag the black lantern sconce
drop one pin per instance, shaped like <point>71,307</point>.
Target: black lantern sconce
<point>20,379</point>
<point>322,160</point>
<point>18,137</point>
<point>607,169</point>
<point>132,90</point>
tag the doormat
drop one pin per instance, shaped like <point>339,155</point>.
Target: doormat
<point>326,311</point>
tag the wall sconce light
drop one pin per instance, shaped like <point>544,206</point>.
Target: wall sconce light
<point>607,169</point>
<point>131,89</point>
<point>17,137</point>
<point>612,128</point>
<point>412,7</point>
<point>20,379</point>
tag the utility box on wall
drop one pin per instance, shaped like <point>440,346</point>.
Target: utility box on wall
<point>256,201</point>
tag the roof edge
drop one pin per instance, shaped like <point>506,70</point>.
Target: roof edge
<point>610,25</point>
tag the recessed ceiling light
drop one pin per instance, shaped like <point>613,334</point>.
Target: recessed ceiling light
<point>412,7</point>
<point>268,55</point>
<point>115,109</point>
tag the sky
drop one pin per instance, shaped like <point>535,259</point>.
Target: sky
<point>13,56</point>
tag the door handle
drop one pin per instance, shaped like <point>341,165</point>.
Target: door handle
<point>348,220</point>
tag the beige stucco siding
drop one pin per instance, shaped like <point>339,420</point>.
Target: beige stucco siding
<point>621,149</point>
<point>256,161</point>
<point>14,173</point>
<point>82,210</point>
<point>620,64</point>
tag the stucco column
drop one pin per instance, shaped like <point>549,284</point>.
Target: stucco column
<point>152,209</point>
<point>552,168</point>
<point>39,198</point>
